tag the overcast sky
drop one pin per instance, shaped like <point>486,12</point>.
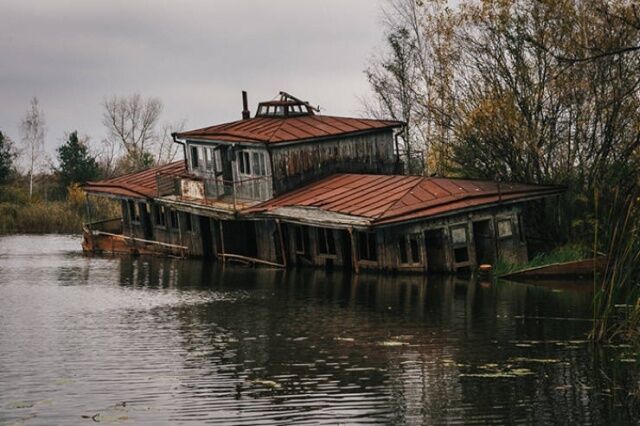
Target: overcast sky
<point>196,56</point>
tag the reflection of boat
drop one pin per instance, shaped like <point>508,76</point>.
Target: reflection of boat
<point>106,236</point>
<point>573,270</point>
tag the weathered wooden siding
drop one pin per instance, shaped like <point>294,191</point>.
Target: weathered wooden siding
<point>311,255</point>
<point>167,233</point>
<point>296,164</point>
<point>511,248</point>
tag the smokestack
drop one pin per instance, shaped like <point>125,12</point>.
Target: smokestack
<point>246,114</point>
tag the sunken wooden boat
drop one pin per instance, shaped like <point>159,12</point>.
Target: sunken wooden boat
<point>107,237</point>
<point>582,270</point>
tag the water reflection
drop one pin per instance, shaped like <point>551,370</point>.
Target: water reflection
<point>181,340</point>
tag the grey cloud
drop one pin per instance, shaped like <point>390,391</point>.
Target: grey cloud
<point>194,55</point>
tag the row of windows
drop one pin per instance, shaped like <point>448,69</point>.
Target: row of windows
<point>409,245</point>
<point>160,214</point>
<point>251,163</point>
<point>209,159</point>
<point>206,159</point>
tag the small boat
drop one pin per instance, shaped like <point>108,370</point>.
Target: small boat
<point>573,270</point>
<point>106,237</point>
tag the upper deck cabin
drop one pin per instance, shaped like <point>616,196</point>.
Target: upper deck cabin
<point>286,144</point>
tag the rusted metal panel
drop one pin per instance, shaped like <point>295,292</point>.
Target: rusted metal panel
<point>191,188</point>
<point>274,130</point>
<point>386,199</point>
<point>142,184</point>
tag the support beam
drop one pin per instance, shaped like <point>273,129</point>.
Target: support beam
<point>354,258</point>
<point>282,248</point>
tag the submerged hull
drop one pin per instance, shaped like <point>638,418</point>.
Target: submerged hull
<point>101,242</point>
<point>578,269</point>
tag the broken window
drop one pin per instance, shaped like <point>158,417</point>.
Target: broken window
<point>244,163</point>
<point>326,243</point>
<point>173,215</point>
<point>367,249</point>
<point>252,163</point>
<point>160,216</point>
<point>217,156</point>
<point>461,254</point>
<point>188,224</point>
<point>459,235</point>
<point>208,159</point>
<point>301,239</point>
<point>504,228</point>
<point>410,249</point>
<point>134,211</point>
<point>459,240</point>
<point>194,157</point>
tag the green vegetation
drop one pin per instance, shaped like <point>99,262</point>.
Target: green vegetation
<point>564,253</point>
<point>7,156</point>
<point>76,164</point>
<point>617,301</point>
<point>528,91</point>
<point>57,203</point>
<point>21,214</point>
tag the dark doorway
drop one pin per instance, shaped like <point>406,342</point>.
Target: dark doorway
<point>484,242</point>
<point>240,237</point>
<point>345,244</point>
<point>205,234</point>
<point>436,250</point>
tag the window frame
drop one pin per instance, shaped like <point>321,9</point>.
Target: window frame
<point>406,248</point>
<point>510,227</point>
<point>326,242</point>
<point>252,163</point>
<point>188,221</point>
<point>300,239</point>
<point>160,217</point>
<point>367,246</point>
<point>174,222</point>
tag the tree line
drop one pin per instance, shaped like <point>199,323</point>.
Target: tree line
<point>537,91</point>
<point>534,91</point>
<point>135,140</point>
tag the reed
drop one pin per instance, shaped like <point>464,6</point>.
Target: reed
<point>21,215</point>
<point>616,308</point>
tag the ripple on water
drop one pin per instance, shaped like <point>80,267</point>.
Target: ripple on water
<point>160,341</point>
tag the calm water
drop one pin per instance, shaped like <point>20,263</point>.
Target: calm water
<point>163,341</point>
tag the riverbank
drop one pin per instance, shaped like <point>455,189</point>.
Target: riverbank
<point>20,214</point>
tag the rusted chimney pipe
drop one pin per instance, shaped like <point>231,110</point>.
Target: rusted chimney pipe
<point>246,114</point>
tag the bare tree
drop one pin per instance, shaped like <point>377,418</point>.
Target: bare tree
<point>131,125</point>
<point>32,129</point>
<point>165,149</point>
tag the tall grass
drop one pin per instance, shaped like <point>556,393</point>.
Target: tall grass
<point>618,234</point>
<point>564,253</point>
<point>21,215</point>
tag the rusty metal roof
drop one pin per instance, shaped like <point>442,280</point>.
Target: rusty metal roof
<point>385,199</point>
<point>138,185</point>
<point>273,130</point>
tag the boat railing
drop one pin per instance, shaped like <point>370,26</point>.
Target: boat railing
<point>235,193</point>
<point>255,188</point>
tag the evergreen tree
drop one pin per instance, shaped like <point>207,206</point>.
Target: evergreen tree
<point>76,163</point>
<point>7,155</point>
